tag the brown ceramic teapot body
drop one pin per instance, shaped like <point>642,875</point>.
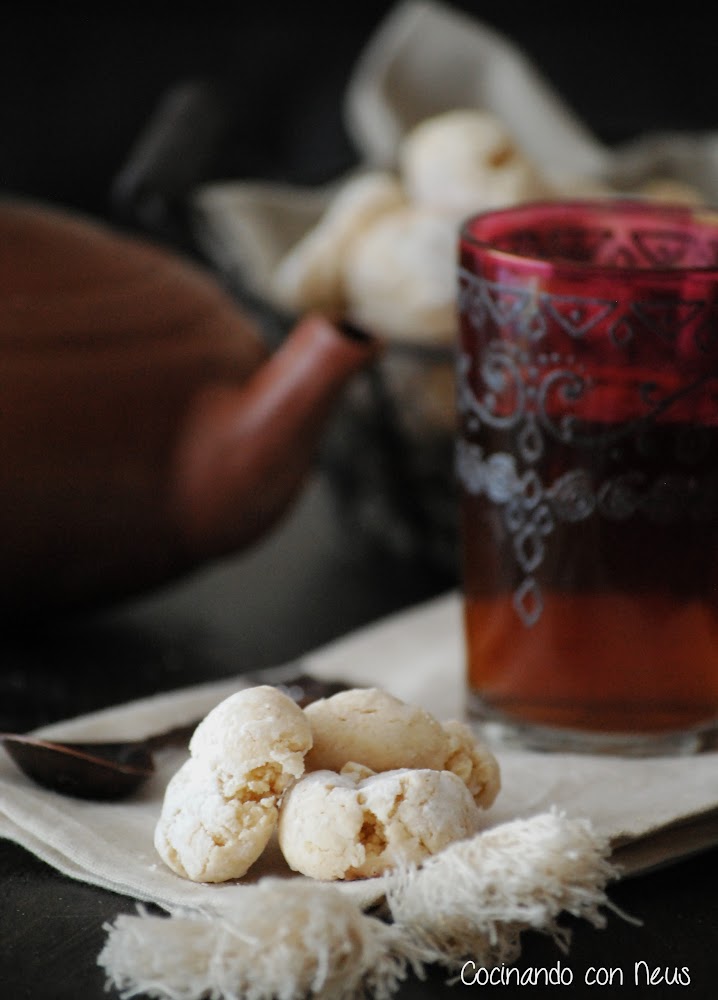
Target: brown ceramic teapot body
<point>143,426</point>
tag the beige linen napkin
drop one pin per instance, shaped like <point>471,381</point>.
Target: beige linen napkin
<point>652,810</point>
<point>416,654</point>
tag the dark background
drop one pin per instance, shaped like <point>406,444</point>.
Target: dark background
<point>79,83</point>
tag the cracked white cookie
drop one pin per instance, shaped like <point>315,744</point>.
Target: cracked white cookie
<point>258,737</point>
<point>465,161</point>
<point>310,275</point>
<point>400,275</point>
<point>472,761</point>
<point>350,826</point>
<point>220,809</point>
<point>371,727</point>
<point>206,835</point>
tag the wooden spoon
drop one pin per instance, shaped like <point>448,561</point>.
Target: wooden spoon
<point>114,770</point>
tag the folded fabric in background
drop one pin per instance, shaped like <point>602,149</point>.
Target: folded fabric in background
<point>424,59</point>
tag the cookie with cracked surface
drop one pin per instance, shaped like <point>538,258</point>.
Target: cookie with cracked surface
<point>220,808</point>
<point>400,276</point>
<point>472,761</point>
<point>310,275</point>
<point>369,726</point>
<point>348,826</point>
<point>465,161</point>
<point>257,737</point>
<point>206,834</point>
<point>372,728</point>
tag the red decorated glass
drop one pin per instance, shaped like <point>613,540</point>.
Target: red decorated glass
<point>587,461</point>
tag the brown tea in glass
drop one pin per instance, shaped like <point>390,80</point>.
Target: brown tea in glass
<point>587,461</point>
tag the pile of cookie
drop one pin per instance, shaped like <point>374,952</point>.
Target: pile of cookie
<point>353,785</point>
<point>383,253</point>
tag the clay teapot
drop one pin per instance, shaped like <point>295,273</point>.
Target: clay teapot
<point>144,426</point>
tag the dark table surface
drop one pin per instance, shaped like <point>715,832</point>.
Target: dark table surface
<point>78,86</point>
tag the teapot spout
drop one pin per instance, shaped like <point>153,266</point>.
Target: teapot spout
<point>247,450</point>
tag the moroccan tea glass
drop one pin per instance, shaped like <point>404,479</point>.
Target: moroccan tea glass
<point>587,463</point>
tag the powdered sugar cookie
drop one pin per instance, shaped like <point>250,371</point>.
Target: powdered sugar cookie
<point>465,161</point>
<point>400,275</point>
<point>473,762</point>
<point>310,276</point>
<point>371,727</point>
<point>344,826</point>
<point>257,739</point>
<point>220,808</point>
<point>207,834</point>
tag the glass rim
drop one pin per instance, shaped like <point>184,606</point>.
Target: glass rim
<point>601,207</point>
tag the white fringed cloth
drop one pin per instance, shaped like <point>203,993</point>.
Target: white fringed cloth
<point>561,828</point>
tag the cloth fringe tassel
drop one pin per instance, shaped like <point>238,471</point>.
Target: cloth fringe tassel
<point>296,939</point>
